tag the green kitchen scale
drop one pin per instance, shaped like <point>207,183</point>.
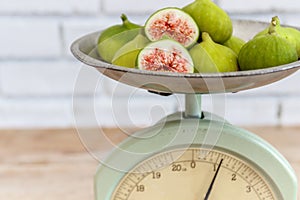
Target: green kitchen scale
<point>192,155</point>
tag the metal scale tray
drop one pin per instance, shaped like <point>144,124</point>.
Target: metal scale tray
<point>84,49</point>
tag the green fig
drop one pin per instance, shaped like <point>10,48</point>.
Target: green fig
<point>294,33</point>
<point>211,18</point>
<point>114,37</point>
<point>289,33</point>
<point>173,23</point>
<point>268,50</point>
<point>110,46</point>
<point>115,29</point>
<point>235,43</point>
<point>126,56</point>
<point>209,56</point>
<point>166,55</point>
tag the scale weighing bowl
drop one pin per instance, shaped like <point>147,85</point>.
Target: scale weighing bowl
<point>84,49</point>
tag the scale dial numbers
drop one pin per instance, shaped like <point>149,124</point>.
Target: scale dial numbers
<point>187,174</point>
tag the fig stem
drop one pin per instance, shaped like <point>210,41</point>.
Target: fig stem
<point>274,24</point>
<point>206,36</point>
<point>275,21</point>
<point>127,23</point>
<point>124,18</point>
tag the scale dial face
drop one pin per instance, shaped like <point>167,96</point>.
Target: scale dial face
<point>196,174</point>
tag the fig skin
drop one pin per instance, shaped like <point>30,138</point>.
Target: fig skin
<point>174,23</point>
<point>268,50</point>
<point>165,55</point>
<point>127,55</point>
<point>116,29</point>
<point>114,37</point>
<point>294,33</point>
<point>235,43</point>
<point>211,18</point>
<point>108,48</point>
<point>210,57</point>
<point>289,33</point>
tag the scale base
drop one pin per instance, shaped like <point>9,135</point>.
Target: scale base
<point>176,131</point>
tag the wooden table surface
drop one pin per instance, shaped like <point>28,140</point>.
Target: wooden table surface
<point>54,165</point>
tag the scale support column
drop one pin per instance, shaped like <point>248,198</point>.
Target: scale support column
<point>193,106</point>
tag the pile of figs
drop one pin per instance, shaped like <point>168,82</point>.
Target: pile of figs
<point>197,38</point>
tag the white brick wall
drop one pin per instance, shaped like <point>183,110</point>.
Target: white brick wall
<point>290,110</point>
<point>29,37</point>
<point>38,74</point>
<point>258,6</point>
<point>53,7</point>
<point>38,78</point>
<point>140,7</point>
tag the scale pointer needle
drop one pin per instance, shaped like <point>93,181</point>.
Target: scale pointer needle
<point>213,181</point>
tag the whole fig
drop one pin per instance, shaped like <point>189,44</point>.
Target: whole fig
<point>114,37</point>
<point>267,50</point>
<point>211,18</point>
<point>165,55</point>
<point>294,33</point>
<point>289,33</point>
<point>116,29</point>
<point>209,56</point>
<point>173,23</point>
<point>235,43</point>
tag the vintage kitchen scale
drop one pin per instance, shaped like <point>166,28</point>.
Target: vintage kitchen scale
<point>193,155</point>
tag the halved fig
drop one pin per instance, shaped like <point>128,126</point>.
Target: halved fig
<point>165,55</point>
<point>174,23</point>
